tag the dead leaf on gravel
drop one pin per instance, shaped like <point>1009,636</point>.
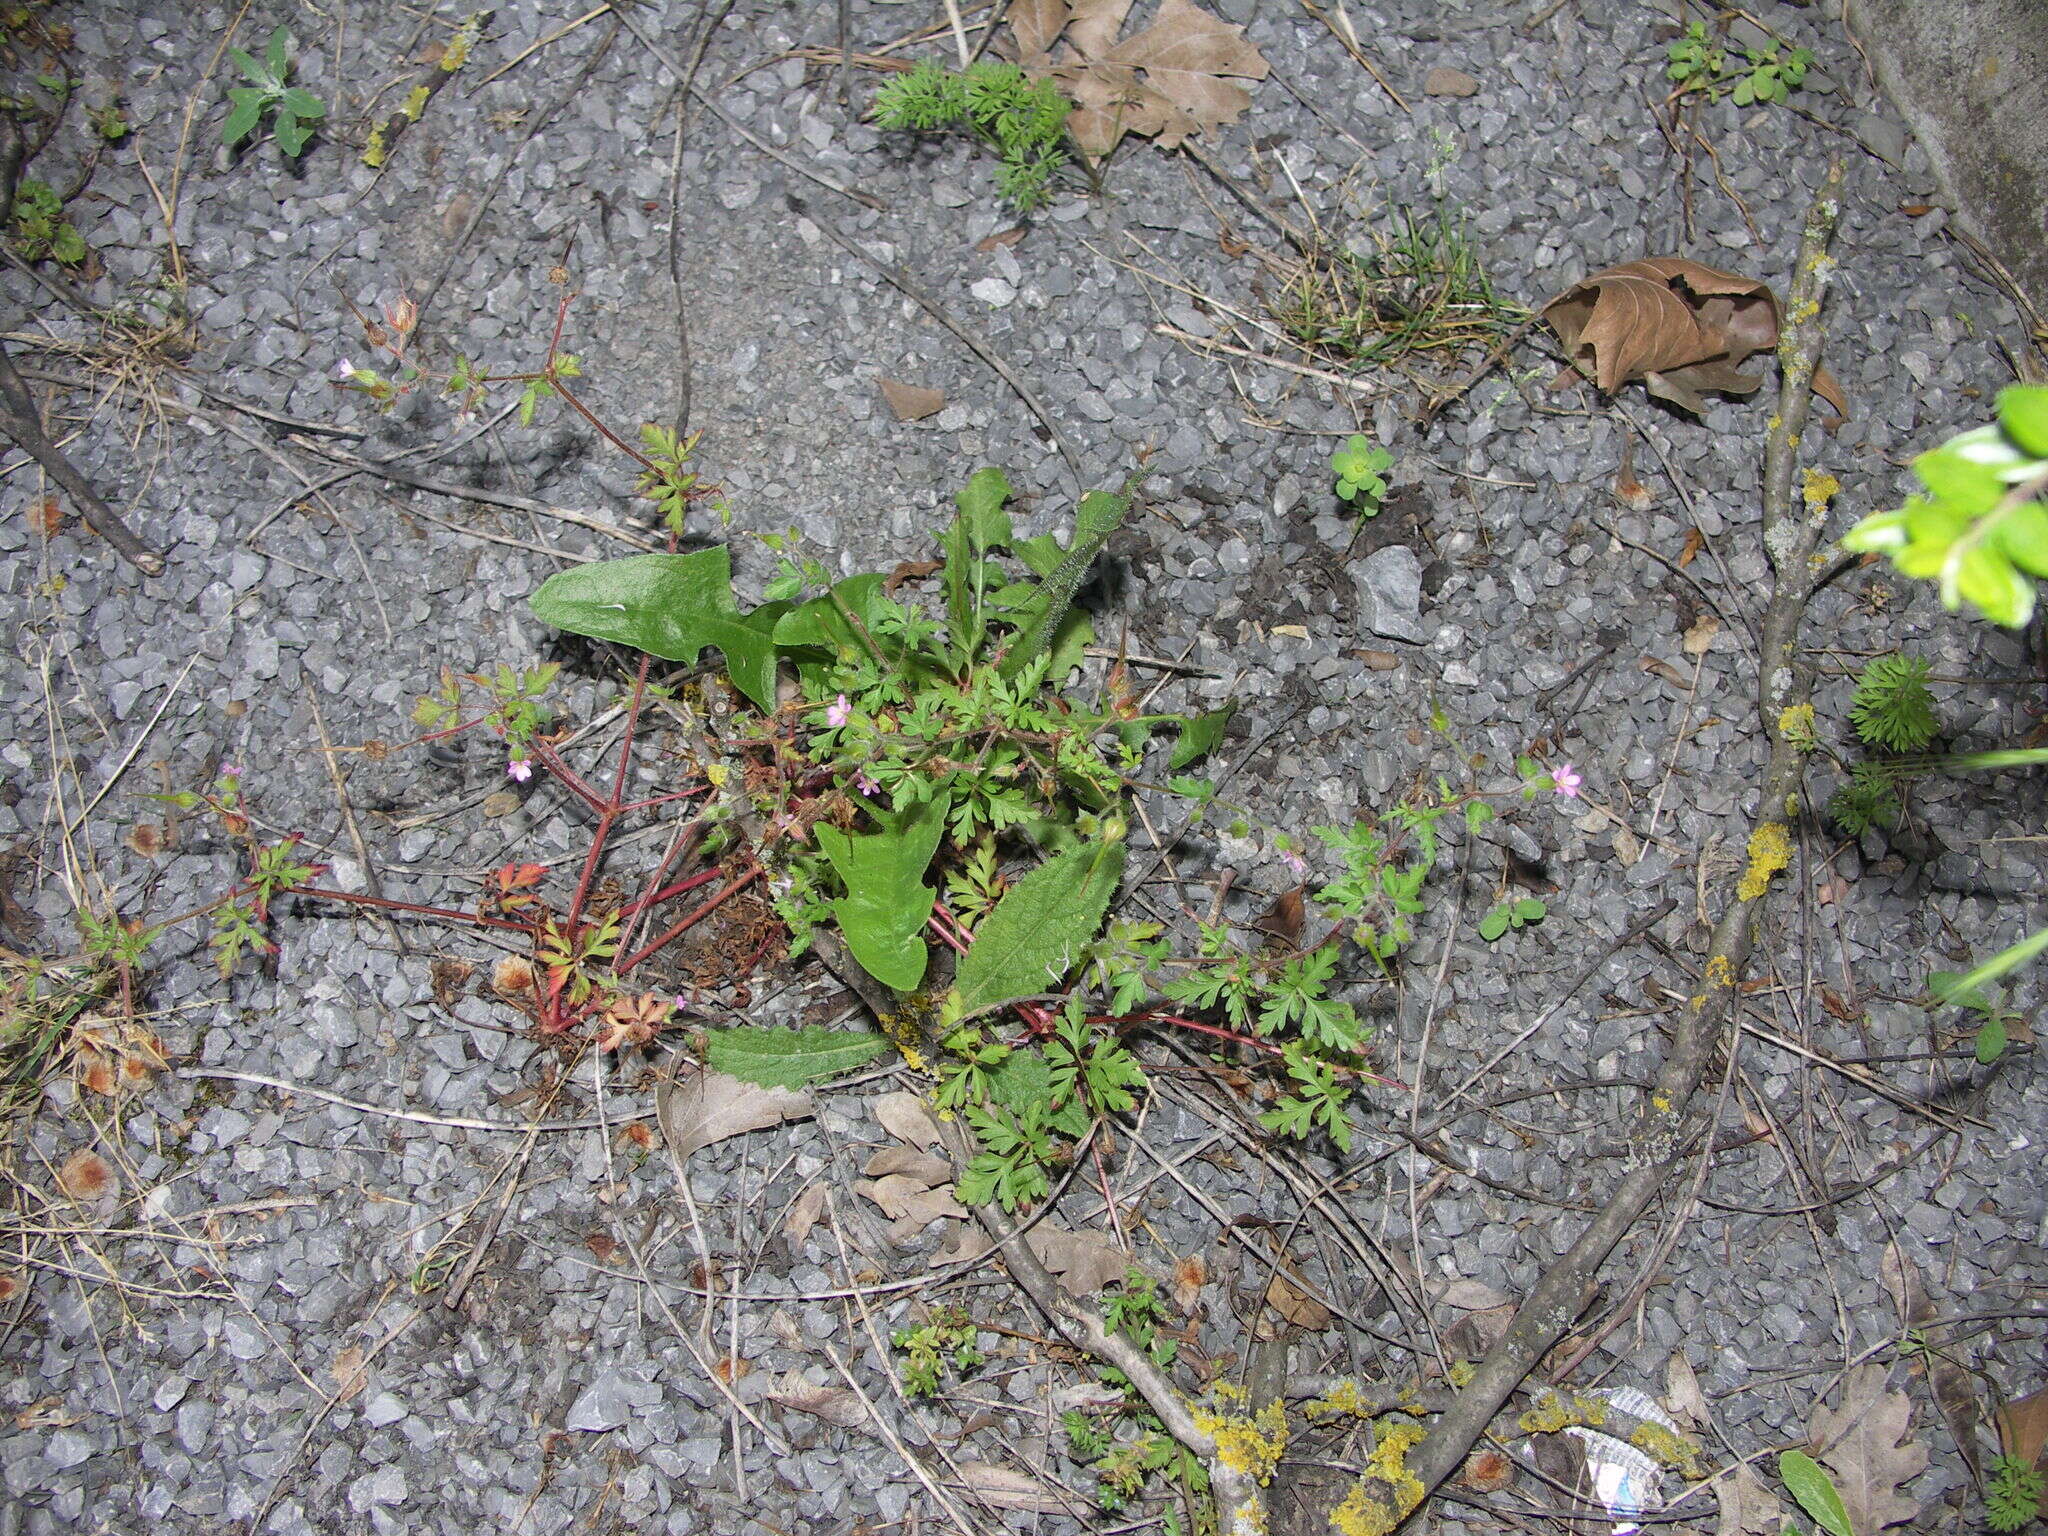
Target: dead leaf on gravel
<point>1665,670</point>
<point>989,244</point>
<point>803,1213</point>
<point>1748,1508</point>
<point>1955,1393</point>
<point>1169,81</point>
<point>1701,635</point>
<point>1682,1394</point>
<point>1473,1296</point>
<point>2023,1432</point>
<point>1296,1306</point>
<point>904,1198</point>
<point>835,1405</point>
<point>712,1106</point>
<point>967,1242</point>
<point>1084,1262</point>
<point>347,1373</point>
<point>912,402</point>
<point>1866,1444</point>
<point>1008,1488</point>
<point>1677,325</point>
<point>1189,1276</point>
<point>926,1167</point>
<point>904,1116</point>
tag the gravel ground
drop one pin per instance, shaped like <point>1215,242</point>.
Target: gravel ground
<point>252,1333</point>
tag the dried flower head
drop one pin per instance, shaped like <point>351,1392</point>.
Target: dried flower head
<point>85,1175</point>
<point>1487,1471</point>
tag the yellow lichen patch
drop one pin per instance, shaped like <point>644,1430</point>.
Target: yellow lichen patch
<point>1344,1398</point>
<point>1387,1490</point>
<point>1554,1411</point>
<point>1795,724</point>
<point>1247,1443</point>
<point>416,103</point>
<point>1720,972</point>
<point>1249,1519</point>
<point>1820,488</point>
<point>1662,1102</point>
<point>1669,1448</point>
<point>1770,850</point>
<point>373,152</point>
<point>456,54</point>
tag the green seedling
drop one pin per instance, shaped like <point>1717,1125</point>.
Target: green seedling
<point>1358,466</point>
<point>1509,915</point>
<point>947,1338</point>
<point>293,112</point>
<point>40,228</point>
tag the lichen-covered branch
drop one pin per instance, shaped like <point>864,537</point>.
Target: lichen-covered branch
<point>1670,1122</point>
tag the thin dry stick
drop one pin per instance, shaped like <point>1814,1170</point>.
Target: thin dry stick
<point>1670,1121</point>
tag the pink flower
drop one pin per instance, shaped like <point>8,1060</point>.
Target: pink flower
<point>866,785</point>
<point>839,713</point>
<point>342,371</point>
<point>1565,780</point>
<point>519,768</point>
<point>231,770</point>
<point>1295,862</point>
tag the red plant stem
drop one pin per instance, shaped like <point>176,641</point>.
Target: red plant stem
<point>703,877</point>
<point>1232,1035</point>
<point>475,919</point>
<point>1116,1219</point>
<point>695,915</point>
<point>609,809</point>
<point>571,779</point>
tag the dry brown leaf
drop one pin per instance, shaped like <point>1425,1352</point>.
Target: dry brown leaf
<point>1627,846</point>
<point>1296,1306</point>
<point>1748,1508</point>
<point>1866,1444</point>
<point>1084,1261</point>
<point>1665,670</point>
<point>1189,1276</point>
<point>346,1372</point>
<point>1473,1296</point>
<point>926,1167</point>
<point>1169,81</point>
<point>2023,1426</point>
<point>967,1242</point>
<point>912,402</point>
<point>904,1198</point>
<point>1695,541</point>
<point>989,244</point>
<point>1701,635</point>
<point>1378,661</point>
<point>1008,1488</point>
<point>712,1106</point>
<point>835,1405</point>
<point>904,1116</point>
<point>2023,1432</point>
<point>1682,1394</point>
<point>1677,325</point>
<point>1955,1394</point>
<point>1445,81</point>
<point>803,1213</point>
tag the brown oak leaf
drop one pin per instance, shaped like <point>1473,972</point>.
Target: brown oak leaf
<point>1169,81</point>
<point>1866,1444</point>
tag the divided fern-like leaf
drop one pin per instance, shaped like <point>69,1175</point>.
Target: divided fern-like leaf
<point>1893,708</point>
<point>1869,800</point>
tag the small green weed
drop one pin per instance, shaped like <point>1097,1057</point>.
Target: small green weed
<point>1422,292</point>
<point>40,228</point>
<point>1022,121</point>
<point>947,1337</point>
<point>1951,989</point>
<point>2012,1494</point>
<point>294,113</point>
<point>1697,63</point>
<point>1805,1480</point>
<point>1506,915</point>
<point>1893,713</point>
<point>1358,466</point>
